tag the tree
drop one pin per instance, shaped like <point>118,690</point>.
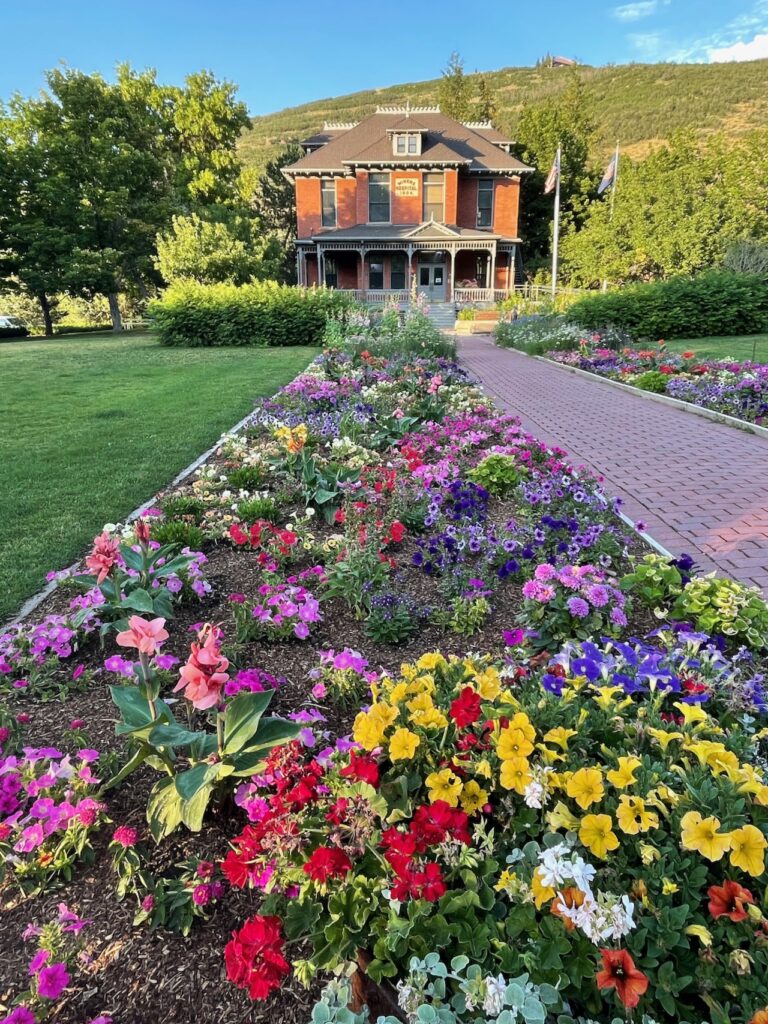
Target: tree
<point>210,251</point>
<point>275,205</point>
<point>454,91</point>
<point>563,120</point>
<point>485,108</point>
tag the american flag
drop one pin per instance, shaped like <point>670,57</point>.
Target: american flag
<point>553,175</point>
<point>609,177</point>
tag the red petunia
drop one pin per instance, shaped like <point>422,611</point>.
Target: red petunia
<point>254,956</point>
<point>465,710</point>
<point>728,899</point>
<point>396,532</point>
<point>619,972</point>
<point>362,768</point>
<point>327,862</point>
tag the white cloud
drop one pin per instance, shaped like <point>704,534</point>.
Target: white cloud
<point>744,29</point>
<point>635,11</point>
<point>647,44</point>
<point>755,49</point>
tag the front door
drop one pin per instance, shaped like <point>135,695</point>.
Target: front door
<point>432,281</point>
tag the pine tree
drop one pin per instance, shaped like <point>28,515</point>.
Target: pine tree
<point>454,91</point>
<point>485,107</point>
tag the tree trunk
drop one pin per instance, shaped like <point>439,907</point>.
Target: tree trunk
<point>45,306</point>
<point>114,312</point>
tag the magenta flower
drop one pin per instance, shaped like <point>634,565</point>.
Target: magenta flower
<point>52,981</point>
<point>38,961</point>
<point>21,1015</point>
<point>124,836</point>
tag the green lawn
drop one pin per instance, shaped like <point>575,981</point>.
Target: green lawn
<point>725,348</point>
<point>91,426</point>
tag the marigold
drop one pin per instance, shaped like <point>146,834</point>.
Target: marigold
<point>700,834</point>
<point>596,833</point>
<point>586,787</point>
<point>748,850</point>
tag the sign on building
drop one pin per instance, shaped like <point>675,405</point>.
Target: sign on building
<point>406,186</point>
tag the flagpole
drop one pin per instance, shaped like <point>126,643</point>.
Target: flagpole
<point>556,238</point>
<point>615,179</point>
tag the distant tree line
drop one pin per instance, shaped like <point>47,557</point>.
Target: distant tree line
<point>109,189</point>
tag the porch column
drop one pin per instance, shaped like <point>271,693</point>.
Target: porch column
<point>453,272</point>
<point>493,271</point>
<point>409,277</point>
<point>320,267</point>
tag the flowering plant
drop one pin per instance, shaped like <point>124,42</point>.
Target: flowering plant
<point>280,611</point>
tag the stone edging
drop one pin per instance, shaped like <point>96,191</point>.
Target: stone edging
<point>37,599</point>
<point>677,403</point>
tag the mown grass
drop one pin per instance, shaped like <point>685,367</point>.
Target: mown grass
<point>751,347</point>
<point>92,425</point>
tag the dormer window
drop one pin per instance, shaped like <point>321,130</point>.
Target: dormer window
<point>406,144</point>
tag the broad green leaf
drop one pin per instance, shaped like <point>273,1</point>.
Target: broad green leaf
<point>139,600</point>
<point>163,809</point>
<point>193,811</point>
<point>241,719</point>
<point>133,559</point>
<point>172,735</point>
<point>190,782</point>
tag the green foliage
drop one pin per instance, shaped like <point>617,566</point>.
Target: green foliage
<point>654,580</point>
<point>254,509</point>
<point>498,474</point>
<point>275,205</point>
<point>466,615</point>
<point>261,314</point>
<point>724,607</point>
<point>538,334</point>
<point>180,534</point>
<point>233,250</point>
<point>356,576</point>
<point>719,302</point>
<point>454,94</point>
<point>184,507</point>
<point>652,380</point>
<point>246,478</point>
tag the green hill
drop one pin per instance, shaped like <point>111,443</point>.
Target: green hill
<point>639,104</point>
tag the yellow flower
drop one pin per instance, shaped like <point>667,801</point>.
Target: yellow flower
<point>431,719</point>
<point>506,879</point>
<point>483,769</point>
<point>431,661</point>
<point>748,850</point>
<point>561,817</point>
<point>633,817</point>
<point>423,702</point>
<point>513,743</point>
<point>473,797</point>
<point>596,833</point>
<point>704,935</point>
<point>664,738</point>
<point>541,893</point>
<point>668,887</point>
<point>488,683</point>
<point>367,731</point>
<point>624,775</point>
<point>403,744</point>
<point>701,834</point>
<point>692,713</point>
<point>515,774</point>
<point>398,693</point>
<point>444,785</point>
<point>522,722</point>
<point>648,854</point>
<point>606,697</point>
<point>586,787</point>
<point>560,736</point>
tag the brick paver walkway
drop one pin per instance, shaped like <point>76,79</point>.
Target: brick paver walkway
<point>700,486</point>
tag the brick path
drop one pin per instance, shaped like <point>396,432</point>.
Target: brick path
<point>700,486</point>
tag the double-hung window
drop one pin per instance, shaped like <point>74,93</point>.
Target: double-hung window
<point>328,202</point>
<point>331,273</point>
<point>485,203</point>
<point>433,197</point>
<point>397,272</point>
<point>378,199</point>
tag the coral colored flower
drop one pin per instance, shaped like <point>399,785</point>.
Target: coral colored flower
<point>124,836</point>
<point>104,555</point>
<point>145,636</point>
<point>465,710</point>
<point>728,899</point>
<point>327,862</point>
<point>52,981</point>
<point>205,674</point>
<point>619,972</point>
<point>761,1017</point>
<point>700,834</point>
<point>254,956</point>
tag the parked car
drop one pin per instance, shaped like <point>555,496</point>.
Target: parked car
<point>12,327</point>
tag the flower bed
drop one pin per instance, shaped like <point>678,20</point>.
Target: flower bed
<point>385,702</point>
<point>723,385</point>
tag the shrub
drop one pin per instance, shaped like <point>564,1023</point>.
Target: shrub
<point>255,509</point>
<point>655,580</point>
<point>262,313</point>
<point>715,303</point>
<point>498,474</point>
<point>184,507</point>
<point>178,533</point>
<point>537,334</point>
<point>246,478</point>
<point>652,380</point>
<point>722,606</point>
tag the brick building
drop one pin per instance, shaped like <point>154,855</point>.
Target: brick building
<point>406,194</point>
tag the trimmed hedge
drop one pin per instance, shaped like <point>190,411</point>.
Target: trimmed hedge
<point>712,304</point>
<point>262,313</point>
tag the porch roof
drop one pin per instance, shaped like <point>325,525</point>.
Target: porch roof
<point>429,231</point>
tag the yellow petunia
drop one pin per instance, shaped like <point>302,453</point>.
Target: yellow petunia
<point>422,702</point>
<point>624,775</point>
<point>704,935</point>
<point>488,683</point>
<point>483,769</point>
<point>560,736</point>
<point>596,833</point>
<point>561,817</point>
<point>607,698</point>
<point>403,744</point>
<point>541,893</point>
<point>522,722</point>
<point>648,854</point>
<point>586,787</point>
<point>431,719</point>
<point>444,785</point>
<point>664,738</point>
<point>507,878</point>
<point>701,834</point>
<point>748,850</point>
<point>515,774</point>
<point>398,693</point>
<point>692,713</point>
<point>668,887</point>
<point>473,797</point>
<point>513,743</point>
<point>367,731</point>
<point>431,661</point>
<point>633,817</point>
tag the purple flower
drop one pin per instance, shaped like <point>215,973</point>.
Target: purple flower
<point>166,661</point>
<point>201,895</point>
<point>21,1015</point>
<point>597,594</point>
<point>513,637</point>
<point>52,981</point>
<point>578,607</point>
<point>122,666</point>
<point>38,961</point>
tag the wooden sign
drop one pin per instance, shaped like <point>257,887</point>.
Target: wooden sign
<point>406,186</point>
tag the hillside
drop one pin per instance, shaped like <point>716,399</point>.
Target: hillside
<point>640,104</point>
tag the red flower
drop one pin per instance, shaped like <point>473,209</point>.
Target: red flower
<point>362,768</point>
<point>237,535</point>
<point>466,708</point>
<point>619,972</point>
<point>415,883</point>
<point>327,862</point>
<point>396,532</point>
<point>254,956</point>
<point>728,900</point>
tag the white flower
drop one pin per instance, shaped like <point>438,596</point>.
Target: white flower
<point>495,990</point>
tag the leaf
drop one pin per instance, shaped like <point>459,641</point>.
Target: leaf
<point>173,735</point>
<point>193,811</point>
<point>163,809</point>
<point>133,707</point>
<point>189,783</point>
<point>133,559</point>
<point>139,600</point>
<point>174,567</point>
<point>242,717</point>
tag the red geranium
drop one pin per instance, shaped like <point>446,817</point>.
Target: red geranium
<point>465,710</point>
<point>396,532</point>
<point>419,883</point>
<point>728,899</point>
<point>619,972</point>
<point>362,768</point>
<point>327,862</point>
<point>254,956</point>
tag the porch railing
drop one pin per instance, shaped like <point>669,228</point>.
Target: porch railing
<point>470,295</point>
<point>377,294</point>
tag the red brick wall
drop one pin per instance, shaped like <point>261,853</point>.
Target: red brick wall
<point>311,270</point>
<point>467,203</point>
<point>506,201</point>
<point>465,266</point>
<point>346,202</point>
<point>347,270</point>
<point>451,196</point>
<point>308,206</point>
<point>362,197</point>
<point>501,270</point>
<point>406,209</point>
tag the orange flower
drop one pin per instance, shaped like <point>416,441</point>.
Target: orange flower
<point>619,972</point>
<point>728,900</point>
<point>570,897</point>
<point>761,1017</point>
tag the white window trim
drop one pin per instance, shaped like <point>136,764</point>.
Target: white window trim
<point>389,177</point>
<point>335,204</point>
<point>485,227</point>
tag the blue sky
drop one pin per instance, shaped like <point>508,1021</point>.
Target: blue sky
<point>285,53</point>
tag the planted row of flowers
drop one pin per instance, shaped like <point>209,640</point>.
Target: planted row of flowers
<point>518,767</point>
<point>726,386</point>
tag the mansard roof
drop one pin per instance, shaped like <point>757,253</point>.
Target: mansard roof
<point>476,148</point>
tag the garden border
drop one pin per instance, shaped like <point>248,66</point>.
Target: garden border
<point>678,403</point>
<point>37,599</point>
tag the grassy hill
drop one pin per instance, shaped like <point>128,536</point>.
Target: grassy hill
<point>639,104</point>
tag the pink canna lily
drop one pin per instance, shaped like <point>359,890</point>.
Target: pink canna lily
<point>145,636</point>
<point>104,555</point>
<point>205,674</point>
